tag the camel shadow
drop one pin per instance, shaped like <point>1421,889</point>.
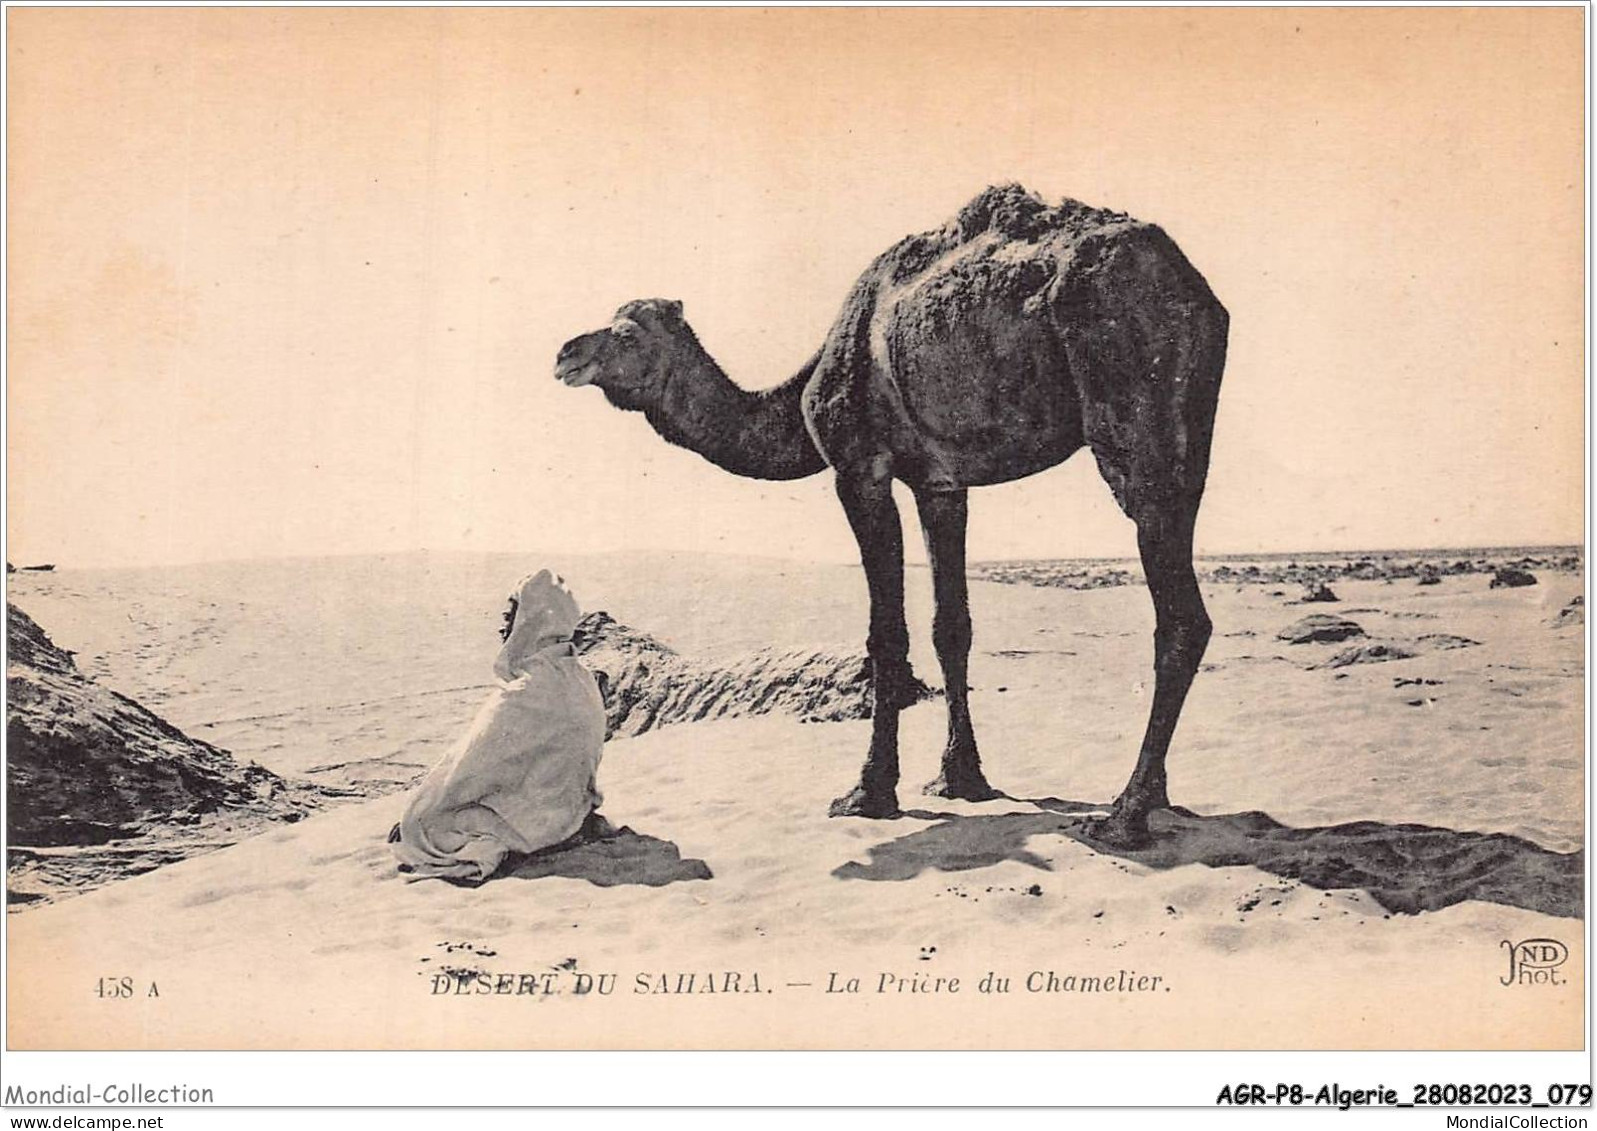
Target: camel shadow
<point>1405,868</point>
<point>622,857</point>
<point>961,844</point>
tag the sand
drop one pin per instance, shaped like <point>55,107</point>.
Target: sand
<point>1227,932</point>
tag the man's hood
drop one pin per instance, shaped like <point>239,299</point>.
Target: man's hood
<point>546,615</point>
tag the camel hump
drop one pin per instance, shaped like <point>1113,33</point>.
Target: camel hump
<point>1011,210</point>
<point>1015,212</point>
<point>1000,216</point>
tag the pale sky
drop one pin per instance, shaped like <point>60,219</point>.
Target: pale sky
<point>291,281</point>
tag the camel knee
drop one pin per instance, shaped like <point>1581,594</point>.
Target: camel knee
<point>888,649</point>
<point>892,682</point>
<point>1181,639</point>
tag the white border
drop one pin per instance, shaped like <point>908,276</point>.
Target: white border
<point>831,1079</point>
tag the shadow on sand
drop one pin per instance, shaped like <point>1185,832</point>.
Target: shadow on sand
<point>1405,868</point>
<point>623,857</point>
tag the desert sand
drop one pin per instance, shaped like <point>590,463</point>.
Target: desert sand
<point>1226,932</point>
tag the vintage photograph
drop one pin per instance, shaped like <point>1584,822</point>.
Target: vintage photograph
<point>795,529</point>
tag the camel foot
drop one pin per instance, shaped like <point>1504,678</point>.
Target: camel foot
<point>1123,828</point>
<point>971,786</point>
<point>860,802</point>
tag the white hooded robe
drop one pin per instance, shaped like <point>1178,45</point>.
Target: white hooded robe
<point>523,777</point>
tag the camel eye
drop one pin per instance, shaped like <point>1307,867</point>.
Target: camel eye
<point>625,329</point>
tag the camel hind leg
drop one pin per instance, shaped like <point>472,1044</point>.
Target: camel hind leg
<point>1149,409</point>
<point>1181,635</point>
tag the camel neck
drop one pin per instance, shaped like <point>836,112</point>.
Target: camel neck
<point>759,435</point>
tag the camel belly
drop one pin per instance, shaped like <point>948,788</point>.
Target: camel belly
<point>983,391</point>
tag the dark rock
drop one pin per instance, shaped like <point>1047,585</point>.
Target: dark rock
<point>1318,592</point>
<point>28,646</point>
<point>1368,654</point>
<point>1442,641</point>
<point>1376,653</point>
<point>1509,578</point>
<point>1272,571</point>
<point>88,766</point>
<point>1320,628</point>
<point>1571,614</point>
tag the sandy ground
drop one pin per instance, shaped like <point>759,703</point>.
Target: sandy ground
<point>307,937</point>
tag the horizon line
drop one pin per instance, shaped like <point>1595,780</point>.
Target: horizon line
<point>422,551</point>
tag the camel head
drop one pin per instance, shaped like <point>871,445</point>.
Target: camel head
<point>629,358</point>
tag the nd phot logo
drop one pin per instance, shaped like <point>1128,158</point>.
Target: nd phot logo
<point>1535,962</point>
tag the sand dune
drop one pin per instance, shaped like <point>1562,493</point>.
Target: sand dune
<point>647,684</point>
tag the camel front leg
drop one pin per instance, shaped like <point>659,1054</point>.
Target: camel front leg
<point>867,498</point>
<point>943,518</point>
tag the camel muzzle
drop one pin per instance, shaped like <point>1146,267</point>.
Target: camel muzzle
<point>575,374</point>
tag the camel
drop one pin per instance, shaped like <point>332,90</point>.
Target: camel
<point>982,352</point>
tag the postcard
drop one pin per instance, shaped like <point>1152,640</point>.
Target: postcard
<point>796,529</point>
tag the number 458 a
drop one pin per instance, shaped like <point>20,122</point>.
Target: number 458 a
<point>123,987</point>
